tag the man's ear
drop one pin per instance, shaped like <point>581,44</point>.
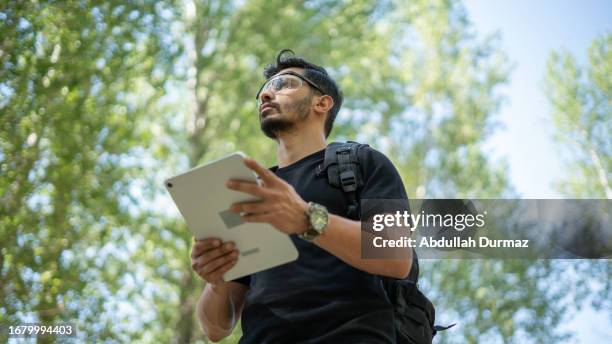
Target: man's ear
<point>324,103</point>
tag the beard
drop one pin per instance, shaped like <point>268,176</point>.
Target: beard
<point>284,122</point>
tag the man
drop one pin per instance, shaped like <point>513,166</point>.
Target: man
<point>329,294</point>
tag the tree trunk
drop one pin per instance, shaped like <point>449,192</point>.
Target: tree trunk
<point>184,327</point>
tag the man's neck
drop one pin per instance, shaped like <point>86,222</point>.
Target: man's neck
<point>297,145</point>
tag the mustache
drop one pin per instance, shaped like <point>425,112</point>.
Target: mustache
<point>273,105</point>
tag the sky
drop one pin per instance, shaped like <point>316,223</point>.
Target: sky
<point>530,31</point>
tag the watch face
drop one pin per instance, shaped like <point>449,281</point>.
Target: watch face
<point>318,219</point>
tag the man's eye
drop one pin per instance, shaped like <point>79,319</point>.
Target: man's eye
<point>278,84</point>
<point>285,83</point>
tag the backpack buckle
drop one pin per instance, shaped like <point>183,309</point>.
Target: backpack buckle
<point>348,181</point>
<point>343,150</point>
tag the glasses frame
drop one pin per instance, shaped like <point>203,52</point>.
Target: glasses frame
<point>301,77</point>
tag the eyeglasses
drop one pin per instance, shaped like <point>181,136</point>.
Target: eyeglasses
<point>286,81</point>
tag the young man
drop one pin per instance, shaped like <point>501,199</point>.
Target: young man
<point>329,294</point>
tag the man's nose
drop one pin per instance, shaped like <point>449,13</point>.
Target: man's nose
<point>266,95</point>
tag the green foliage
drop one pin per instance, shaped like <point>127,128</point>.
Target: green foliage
<point>580,98</point>
<point>581,111</point>
<point>69,72</point>
<point>100,102</point>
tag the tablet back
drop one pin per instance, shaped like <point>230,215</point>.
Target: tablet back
<point>203,200</point>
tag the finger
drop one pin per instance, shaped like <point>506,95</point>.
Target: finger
<point>249,207</point>
<point>266,175</point>
<point>202,245</point>
<point>220,261</point>
<point>248,187</point>
<point>265,217</point>
<point>217,274</point>
<point>213,274</point>
<point>211,255</point>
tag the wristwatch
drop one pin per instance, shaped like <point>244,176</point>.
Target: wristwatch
<point>318,218</point>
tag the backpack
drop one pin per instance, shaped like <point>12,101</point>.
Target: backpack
<point>413,312</point>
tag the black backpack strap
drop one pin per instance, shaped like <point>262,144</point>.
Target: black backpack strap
<point>439,328</point>
<point>341,163</point>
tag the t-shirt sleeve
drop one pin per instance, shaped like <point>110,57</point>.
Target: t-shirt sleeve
<point>381,180</point>
<point>383,192</point>
<point>246,280</point>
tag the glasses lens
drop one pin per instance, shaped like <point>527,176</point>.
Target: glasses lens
<point>280,83</point>
<point>277,84</point>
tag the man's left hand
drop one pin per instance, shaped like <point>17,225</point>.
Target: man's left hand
<point>279,206</point>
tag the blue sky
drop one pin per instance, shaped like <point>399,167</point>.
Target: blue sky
<point>530,31</point>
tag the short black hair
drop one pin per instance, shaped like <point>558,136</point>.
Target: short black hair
<point>286,59</point>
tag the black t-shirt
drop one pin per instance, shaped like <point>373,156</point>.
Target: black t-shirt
<point>318,298</point>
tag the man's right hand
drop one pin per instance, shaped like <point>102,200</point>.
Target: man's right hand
<point>211,258</point>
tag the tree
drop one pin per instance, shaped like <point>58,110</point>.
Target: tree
<point>69,73</point>
<point>581,110</point>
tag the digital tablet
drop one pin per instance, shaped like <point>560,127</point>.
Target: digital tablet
<point>203,200</point>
